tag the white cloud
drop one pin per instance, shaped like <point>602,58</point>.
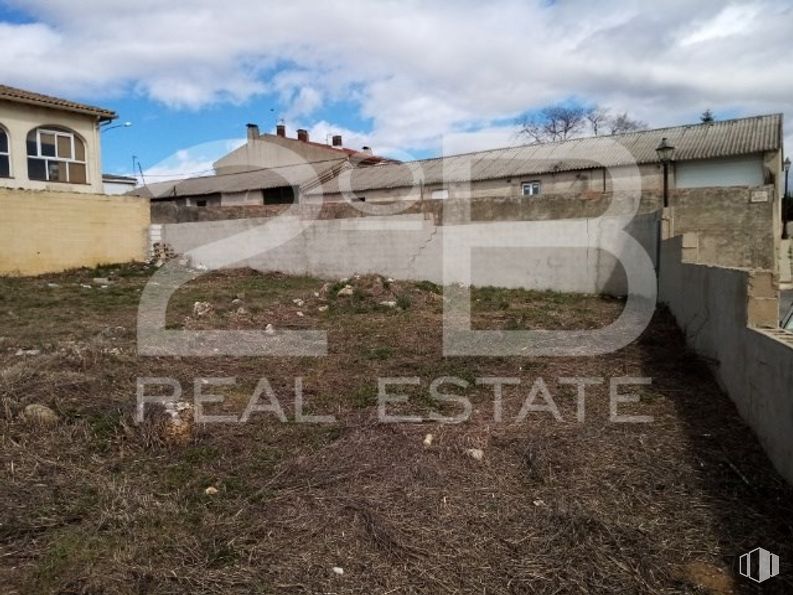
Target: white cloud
<point>191,162</point>
<point>419,69</point>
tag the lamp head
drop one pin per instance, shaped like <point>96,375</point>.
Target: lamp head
<point>665,150</point>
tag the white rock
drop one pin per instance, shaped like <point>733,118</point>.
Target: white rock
<point>202,308</point>
<point>475,453</point>
<point>298,302</point>
<point>338,570</point>
<point>389,303</point>
<point>428,440</point>
<point>269,330</point>
<point>538,503</point>
<point>236,301</point>
<point>211,491</point>
<point>316,294</point>
<point>347,290</point>
<point>101,281</point>
<point>242,311</point>
<point>86,286</point>
<point>40,414</point>
<point>21,352</point>
<point>322,309</point>
<point>300,314</point>
<point>389,280</point>
<point>53,285</point>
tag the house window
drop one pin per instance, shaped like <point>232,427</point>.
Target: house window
<point>5,157</point>
<point>441,194</point>
<point>56,155</point>
<point>201,203</point>
<point>530,188</point>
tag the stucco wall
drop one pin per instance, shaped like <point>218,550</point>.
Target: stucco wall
<point>19,119</point>
<point>273,151</point>
<point>728,316</point>
<point>44,232</point>
<point>747,170</point>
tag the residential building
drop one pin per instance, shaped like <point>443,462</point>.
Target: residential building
<point>267,169</point>
<point>275,150</point>
<point>739,152</point>
<point>272,169</point>
<point>49,143</point>
<point>115,184</point>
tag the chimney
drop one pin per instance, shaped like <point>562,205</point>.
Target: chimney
<point>337,140</point>
<point>253,132</point>
<point>280,130</point>
<point>302,134</point>
<point>367,150</point>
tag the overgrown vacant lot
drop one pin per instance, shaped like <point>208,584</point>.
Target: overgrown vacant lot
<point>99,504</point>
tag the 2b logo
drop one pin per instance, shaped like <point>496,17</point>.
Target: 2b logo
<point>759,565</point>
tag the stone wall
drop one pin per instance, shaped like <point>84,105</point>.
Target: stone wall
<point>42,232</point>
<point>736,226</point>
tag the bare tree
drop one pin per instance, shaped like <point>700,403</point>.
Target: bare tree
<point>624,123</point>
<point>597,117</point>
<point>553,123</point>
<point>707,117</point>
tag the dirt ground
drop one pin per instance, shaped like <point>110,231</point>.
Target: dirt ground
<point>97,503</point>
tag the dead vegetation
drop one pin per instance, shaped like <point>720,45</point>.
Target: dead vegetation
<point>100,504</point>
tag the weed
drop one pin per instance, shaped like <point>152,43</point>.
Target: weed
<point>403,301</point>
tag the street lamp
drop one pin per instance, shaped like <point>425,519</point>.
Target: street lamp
<point>665,152</point>
<point>785,198</point>
<point>124,125</point>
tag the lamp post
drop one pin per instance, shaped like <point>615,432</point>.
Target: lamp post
<point>665,152</point>
<point>785,198</point>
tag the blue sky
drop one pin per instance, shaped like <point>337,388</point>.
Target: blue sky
<point>409,78</point>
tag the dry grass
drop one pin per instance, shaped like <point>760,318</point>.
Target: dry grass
<point>98,504</point>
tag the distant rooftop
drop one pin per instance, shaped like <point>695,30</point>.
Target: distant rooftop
<point>30,98</point>
<point>724,138</point>
<point>298,175</point>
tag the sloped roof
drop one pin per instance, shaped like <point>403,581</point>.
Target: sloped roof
<point>358,157</point>
<point>28,97</point>
<point>259,179</point>
<point>697,141</point>
<point>119,178</point>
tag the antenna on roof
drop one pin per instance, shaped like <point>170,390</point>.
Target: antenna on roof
<point>140,169</point>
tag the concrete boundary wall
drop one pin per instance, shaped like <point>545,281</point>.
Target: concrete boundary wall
<point>730,316</point>
<point>413,247</point>
<point>46,232</point>
<point>737,226</point>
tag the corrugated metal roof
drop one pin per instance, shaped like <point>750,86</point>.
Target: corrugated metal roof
<point>259,179</point>
<point>31,98</point>
<point>692,142</point>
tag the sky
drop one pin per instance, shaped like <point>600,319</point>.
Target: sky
<point>411,78</point>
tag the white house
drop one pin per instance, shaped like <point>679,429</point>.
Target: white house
<point>48,143</point>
